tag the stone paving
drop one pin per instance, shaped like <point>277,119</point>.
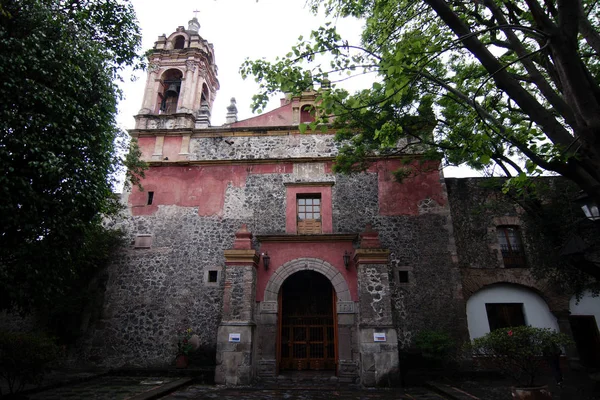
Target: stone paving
<point>122,388</point>
<point>104,388</point>
<point>212,392</point>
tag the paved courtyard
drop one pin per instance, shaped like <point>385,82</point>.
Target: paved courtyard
<point>204,392</point>
<point>143,388</point>
<point>104,388</point>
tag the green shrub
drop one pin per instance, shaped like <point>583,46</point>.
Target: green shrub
<point>24,357</point>
<point>435,345</point>
<point>519,352</point>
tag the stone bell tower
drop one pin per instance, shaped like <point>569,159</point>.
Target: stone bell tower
<point>182,82</point>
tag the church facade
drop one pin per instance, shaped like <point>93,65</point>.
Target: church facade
<point>244,234</point>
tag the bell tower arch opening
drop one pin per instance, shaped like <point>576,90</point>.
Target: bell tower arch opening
<point>179,42</point>
<point>307,334</point>
<point>168,95</point>
<point>205,94</point>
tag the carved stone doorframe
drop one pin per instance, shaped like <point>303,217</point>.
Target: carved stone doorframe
<point>267,318</point>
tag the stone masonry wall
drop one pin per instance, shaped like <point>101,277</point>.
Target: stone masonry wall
<point>289,145</point>
<point>255,147</point>
<point>153,292</point>
<point>478,208</point>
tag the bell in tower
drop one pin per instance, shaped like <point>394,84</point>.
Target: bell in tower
<point>182,82</point>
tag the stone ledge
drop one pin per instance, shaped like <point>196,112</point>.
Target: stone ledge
<point>324,237</point>
<point>371,256</point>
<point>316,183</point>
<point>241,257</point>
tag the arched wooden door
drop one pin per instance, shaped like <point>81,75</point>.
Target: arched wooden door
<point>307,336</point>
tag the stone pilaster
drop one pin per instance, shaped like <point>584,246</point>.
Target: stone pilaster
<point>235,336</point>
<point>378,340</point>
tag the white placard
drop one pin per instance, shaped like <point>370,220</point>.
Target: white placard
<point>379,337</point>
<point>234,337</point>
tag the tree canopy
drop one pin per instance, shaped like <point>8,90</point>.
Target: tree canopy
<point>506,85</point>
<point>59,141</point>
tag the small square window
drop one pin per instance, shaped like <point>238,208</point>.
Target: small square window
<point>403,276</point>
<point>212,275</point>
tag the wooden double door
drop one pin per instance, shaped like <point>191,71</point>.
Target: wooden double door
<point>307,338</point>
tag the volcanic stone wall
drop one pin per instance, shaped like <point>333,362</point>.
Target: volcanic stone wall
<point>153,292</point>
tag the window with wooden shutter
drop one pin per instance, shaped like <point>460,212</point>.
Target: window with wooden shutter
<point>309,214</point>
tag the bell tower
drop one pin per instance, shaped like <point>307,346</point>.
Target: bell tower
<point>182,82</point>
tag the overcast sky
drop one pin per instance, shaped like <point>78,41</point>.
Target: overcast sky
<point>238,29</point>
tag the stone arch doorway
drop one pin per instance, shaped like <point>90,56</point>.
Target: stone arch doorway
<point>268,318</point>
<point>307,331</point>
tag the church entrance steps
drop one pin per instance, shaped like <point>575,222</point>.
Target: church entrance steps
<point>308,380</point>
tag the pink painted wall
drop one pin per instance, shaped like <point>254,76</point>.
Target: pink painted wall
<point>282,252</point>
<point>204,187</point>
<point>195,186</point>
<point>188,186</point>
<point>403,198</point>
<point>281,116</point>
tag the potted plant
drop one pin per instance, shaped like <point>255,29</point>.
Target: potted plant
<point>184,347</point>
<point>520,353</point>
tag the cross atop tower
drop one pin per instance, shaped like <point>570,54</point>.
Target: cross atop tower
<point>196,13</point>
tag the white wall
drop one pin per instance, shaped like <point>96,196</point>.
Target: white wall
<point>535,309</point>
<point>588,305</point>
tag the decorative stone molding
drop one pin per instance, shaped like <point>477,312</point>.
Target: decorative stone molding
<point>345,307</point>
<point>241,257</point>
<point>268,307</point>
<point>203,72</point>
<point>191,65</point>
<point>371,256</point>
<point>243,238</point>
<point>313,264</point>
<point>369,239</point>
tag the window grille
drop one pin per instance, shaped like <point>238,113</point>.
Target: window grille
<point>511,246</point>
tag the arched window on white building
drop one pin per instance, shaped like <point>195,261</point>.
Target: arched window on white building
<point>503,305</point>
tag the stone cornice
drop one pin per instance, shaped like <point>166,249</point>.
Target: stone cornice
<point>223,131</point>
<point>324,237</point>
<point>371,256</point>
<point>241,257</point>
<point>263,161</point>
<point>238,161</point>
<point>329,183</point>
